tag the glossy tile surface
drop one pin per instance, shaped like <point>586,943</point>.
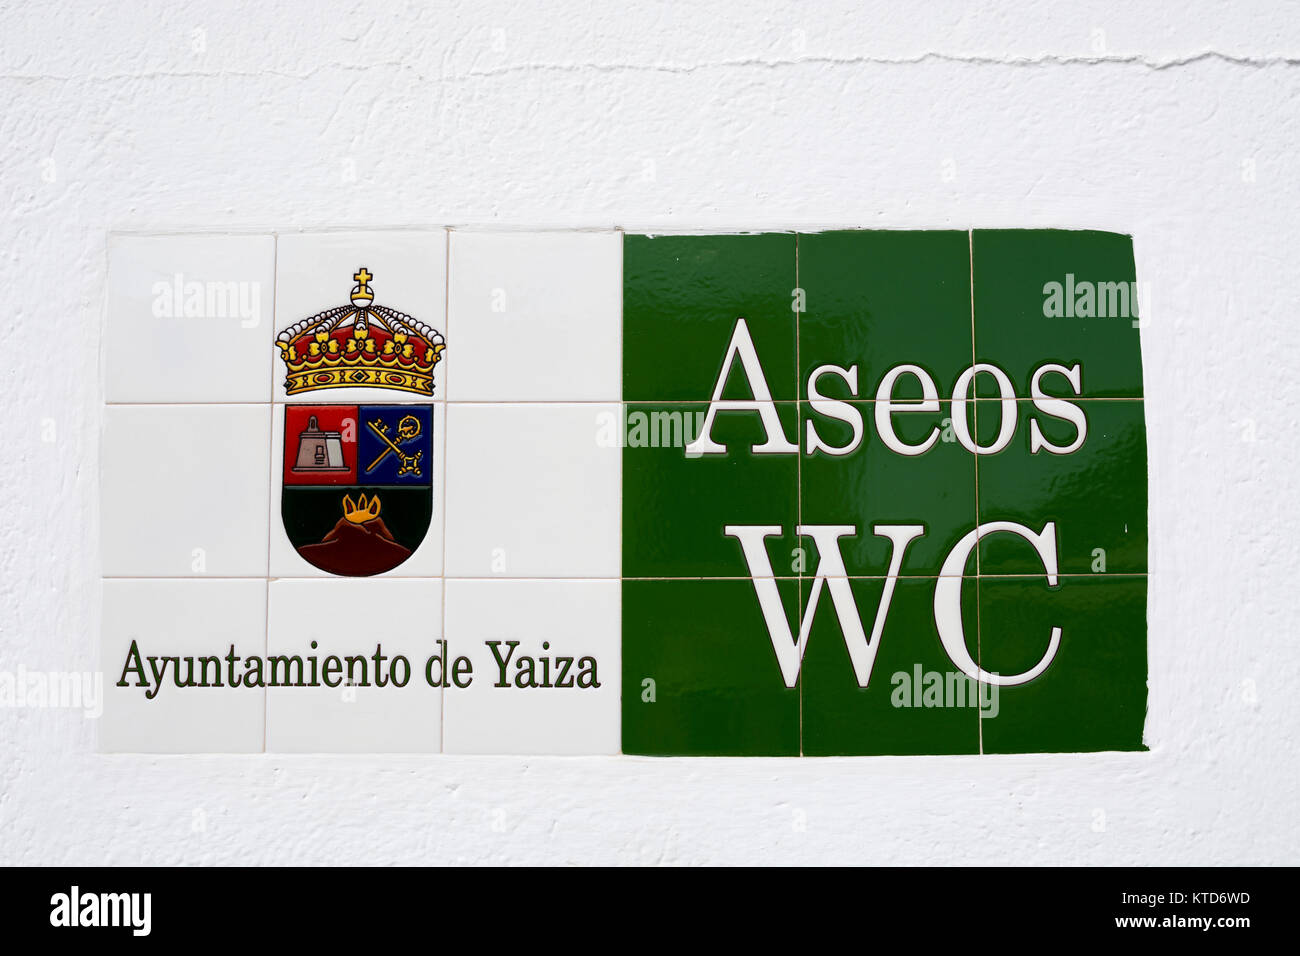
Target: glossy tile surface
<point>183,490</point>
<point>545,661</point>
<point>537,316</point>
<point>871,484</point>
<point>189,318</point>
<point>358,619</point>
<point>1066,297</point>
<point>1094,694</point>
<point>533,490</point>
<point>677,503</point>
<point>700,676</point>
<point>682,296</point>
<point>199,623</point>
<point>1096,495</point>
<point>915,701</point>
<point>884,298</point>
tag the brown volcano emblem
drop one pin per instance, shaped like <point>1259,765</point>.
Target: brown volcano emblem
<point>359,544</point>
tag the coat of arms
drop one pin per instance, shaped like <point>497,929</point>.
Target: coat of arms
<point>357,481</point>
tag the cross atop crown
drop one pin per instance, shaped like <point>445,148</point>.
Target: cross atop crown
<point>361,294</point>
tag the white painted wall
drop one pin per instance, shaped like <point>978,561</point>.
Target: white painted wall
<point>189,115</point>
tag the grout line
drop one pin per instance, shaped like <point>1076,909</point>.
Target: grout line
<point>527,402</point>
<point>979,646</point>
<point>446,308</point>
<point>868,577</point>
<point>851,401</point>
<point>622,274</point>
<point>622,487</point>
<point>660,402</point>
<point>798,437</point>
<point>388,576</point>
<point>97,501</point>
<point>270,483</point>
<point>295,400</point>
<point>446,321</point>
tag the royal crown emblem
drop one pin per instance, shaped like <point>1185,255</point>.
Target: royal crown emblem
<point>360,345</point>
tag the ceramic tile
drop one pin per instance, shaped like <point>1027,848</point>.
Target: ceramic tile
<point>676,505</point>
<point>356,618</point>
<point>537,316</point>
<point>183,490</point>
<point>683,297</point>
<point>360,307</point>
<point>1048,296</point>
<point>198,622</point>
<point>916,700</point>
<point>557,691</point>
<point>311,534</point>
<point>700,675</point>
<point>533,490</point>
<point>1096,495</point>
<point>189,318</point>
<point>1093,694</point>
<point>879,299</point>
<point>874,484</point>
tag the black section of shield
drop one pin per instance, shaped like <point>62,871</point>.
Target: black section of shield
<point>314,521</point>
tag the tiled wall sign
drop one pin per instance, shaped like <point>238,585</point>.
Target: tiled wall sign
<point>914,462</point>
<point>839,493</point>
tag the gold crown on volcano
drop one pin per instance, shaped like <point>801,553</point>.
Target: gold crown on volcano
<point>360,345</point>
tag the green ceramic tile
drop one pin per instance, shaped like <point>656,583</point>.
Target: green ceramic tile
<point>874,485</point>
<point>1093,695</point>
<point>676,507</point>
<point>1097,495</point>
<point>879,299</point>
<point>1016,276</point>
<point>682,296</point>
<point>916,702</point>
<point>700,675</point>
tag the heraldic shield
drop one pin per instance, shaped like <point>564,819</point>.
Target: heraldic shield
<point>358,484</point>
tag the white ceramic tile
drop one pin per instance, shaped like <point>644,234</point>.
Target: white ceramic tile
<point>533,491</point>
<point>189,318</point>
<point>176,618</point>
<point>355,617</point>
<point>183,490</point>
<point>426,561</point>
<point>316,272</point>
<point>538,316</point>
<point>577,619</point>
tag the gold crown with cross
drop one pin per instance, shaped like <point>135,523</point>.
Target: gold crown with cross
<point>360,345</point>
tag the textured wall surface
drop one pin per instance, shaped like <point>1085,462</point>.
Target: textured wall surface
<point>1177,124</point>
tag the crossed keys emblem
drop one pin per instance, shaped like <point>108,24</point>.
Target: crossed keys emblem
<point>408,429</point>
